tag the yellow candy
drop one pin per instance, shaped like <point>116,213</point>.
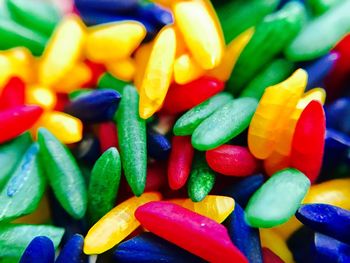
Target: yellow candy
<point>273,112</point>
<point>200,33</point>
<point>141,59</point>
<point>334,192</point>
<point>122,69</point>
<point>42,96</point>
<point>233,50</point>
<point>114,41</point>
<point>5,70</point>
<point>66,128</point>
<point>270,239</point>
<point>75,78</point>
<point>23,63</point>
<point>40,216</point>
<point>186,69</point>
<point>215,207</point>
<point>63,50</point>
<point>157,76</point>
<point>180,43</point>
<point>116,225</point>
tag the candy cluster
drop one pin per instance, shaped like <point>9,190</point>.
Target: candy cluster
<point>174,131</point>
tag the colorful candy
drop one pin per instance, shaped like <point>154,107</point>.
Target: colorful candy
<point>40,249</point>
<point>72,250</point>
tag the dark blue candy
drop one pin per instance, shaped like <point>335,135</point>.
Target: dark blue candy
<point>158,146</point>
<point>155,14</point>
<point>147,248</point>
<point>243,190</point>
<point>72,251</point>
<point>117,6</point>
<point>319,69</point>
<point>97,106</point>
<point>40,249</point>
<point>327,219</point>
<point>331,250</point>
<point>88,149</point>
<point>338,115</point>
<point>246,238</point>
<point>301,244</point>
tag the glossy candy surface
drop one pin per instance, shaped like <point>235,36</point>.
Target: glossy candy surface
<point>13,94</point>
<point>278,199</point>
<point>116,225</point>
<point>195,233</point>
<point>40,249</point>
<point>330,250</point>
<point>158,146</point>
<point>72,250</point>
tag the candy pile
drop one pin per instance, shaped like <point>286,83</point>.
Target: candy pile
<point>174,131</point>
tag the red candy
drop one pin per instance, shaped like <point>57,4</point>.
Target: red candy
<point>270,257</point>
<point>180,161</point>
<point>13,93</point>
<point>17,120</point>
<point>198,234</point>
<point>184,97</point>
<point>156,176</point>
<point>96,71</point>
<point>308,141</point>
<point>108,136</point>
<point>232,160</point>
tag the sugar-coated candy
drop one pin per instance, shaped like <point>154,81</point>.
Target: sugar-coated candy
<point>132,140</point>
<point>231,160</point>
<point>310,44</point>
<point>215,207</point>
<point>72,250</point>
<point>16,120</point>
<point>25,188</point>
<point>270,257</point>
<point>63,173</point>
<point>14,238</point>
<point>201,180</point>
<point>224,124</point>
<point>63,50</point>
<point>192,19</point>
<point>13,94</point>
<point>246,238</point>
<point>188,122</point>
<point>158,73</point>
<point>308,141</point>
<point>11,154</point>
<point>277,200</point>
<point>327,219</point>
<point>105,178</point>
<point>120,222</point>
<point>184,97</point>
<point>330,250</point>
<point>97,106</point>
<point>180,161</point>
<point>241,191</point>
<point>158,146</point>
<point>193,232</point>
<point>40,249</point>
<point>271,36</point>
<point>39,16</point>
<point>147,248</point>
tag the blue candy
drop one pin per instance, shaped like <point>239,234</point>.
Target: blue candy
<point>155,14</point>
<point>319,69</point>
<point>147,248</point>
<point>40,249</point>
<point>331,250</point>
<point>72,251</point>
<point>301,244</point>
<point>97,106</point>
<point>246,238</point>
<point>117,6</point>
<point>243,190</point>
<point>338,115</point>
<point>327,219</point>
<point>158,146</point>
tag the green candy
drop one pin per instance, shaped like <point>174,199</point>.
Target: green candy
<point>276,201</point>
<point>237,16</point>
<point>24,190</point>
<point>319,7</point>
<point>13,35</point>
<point>224,124</point>
<point>188,122</point>
<point>321,34</point>
<point>37,15</point>
<point>271,37</point>
<point>105,178</point>
<point>79,93</point>
<point>277,71</point>
<point>14,238</point>
<point>63,173</point>
<point>10,155</point>
<point>201,179</point>
<point>132,140</point>
<point>107,81</point>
